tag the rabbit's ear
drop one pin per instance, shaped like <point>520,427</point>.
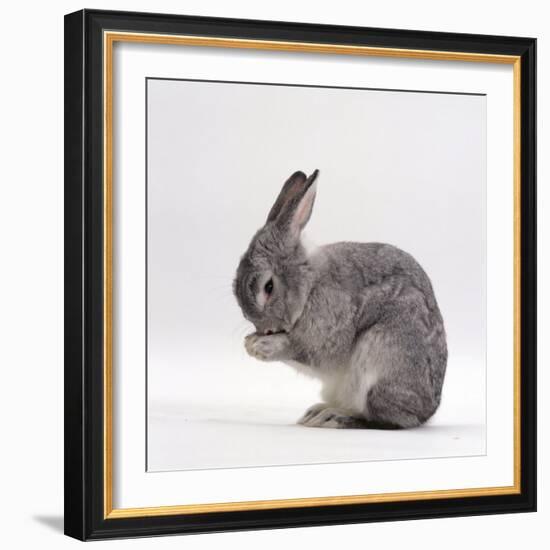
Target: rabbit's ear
<point>289,189</point>
<point>296,210</point>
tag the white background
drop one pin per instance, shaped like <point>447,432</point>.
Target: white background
<point>134,487</point>
<point>398,167</point>
<point>31,221</point>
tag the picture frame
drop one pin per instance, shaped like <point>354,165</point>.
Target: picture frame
<point>90,254</point>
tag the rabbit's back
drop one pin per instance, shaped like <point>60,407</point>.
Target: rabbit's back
<point>355,266</point>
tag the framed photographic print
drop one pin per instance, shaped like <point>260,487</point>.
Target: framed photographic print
<point>300,274</point>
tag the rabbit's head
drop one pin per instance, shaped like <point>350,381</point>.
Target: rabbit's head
<point>273,278</point>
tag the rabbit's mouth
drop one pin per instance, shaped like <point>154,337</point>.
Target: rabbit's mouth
<point>270,332</point>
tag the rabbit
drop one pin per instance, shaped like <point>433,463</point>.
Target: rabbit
<point>360,317</point>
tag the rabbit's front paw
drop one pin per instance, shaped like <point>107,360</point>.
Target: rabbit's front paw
<point>270,347</point>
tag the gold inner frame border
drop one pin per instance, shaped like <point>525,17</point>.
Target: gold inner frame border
<point>109,39</point>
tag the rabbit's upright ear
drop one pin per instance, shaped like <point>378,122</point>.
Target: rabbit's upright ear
<point>292,210</point>
<point>287,192</point>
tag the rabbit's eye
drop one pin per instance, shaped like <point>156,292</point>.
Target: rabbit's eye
<point>269,287</point>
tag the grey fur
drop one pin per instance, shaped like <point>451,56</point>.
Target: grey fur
<point>361,317</point>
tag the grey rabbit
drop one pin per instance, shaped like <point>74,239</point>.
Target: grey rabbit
<point>361,317</point>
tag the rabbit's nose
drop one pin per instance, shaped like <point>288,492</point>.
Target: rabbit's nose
<point>268,332</point>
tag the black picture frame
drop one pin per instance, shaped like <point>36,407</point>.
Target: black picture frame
<point>84,276</point>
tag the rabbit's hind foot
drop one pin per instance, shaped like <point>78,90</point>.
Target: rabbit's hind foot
<point>324,416</point>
